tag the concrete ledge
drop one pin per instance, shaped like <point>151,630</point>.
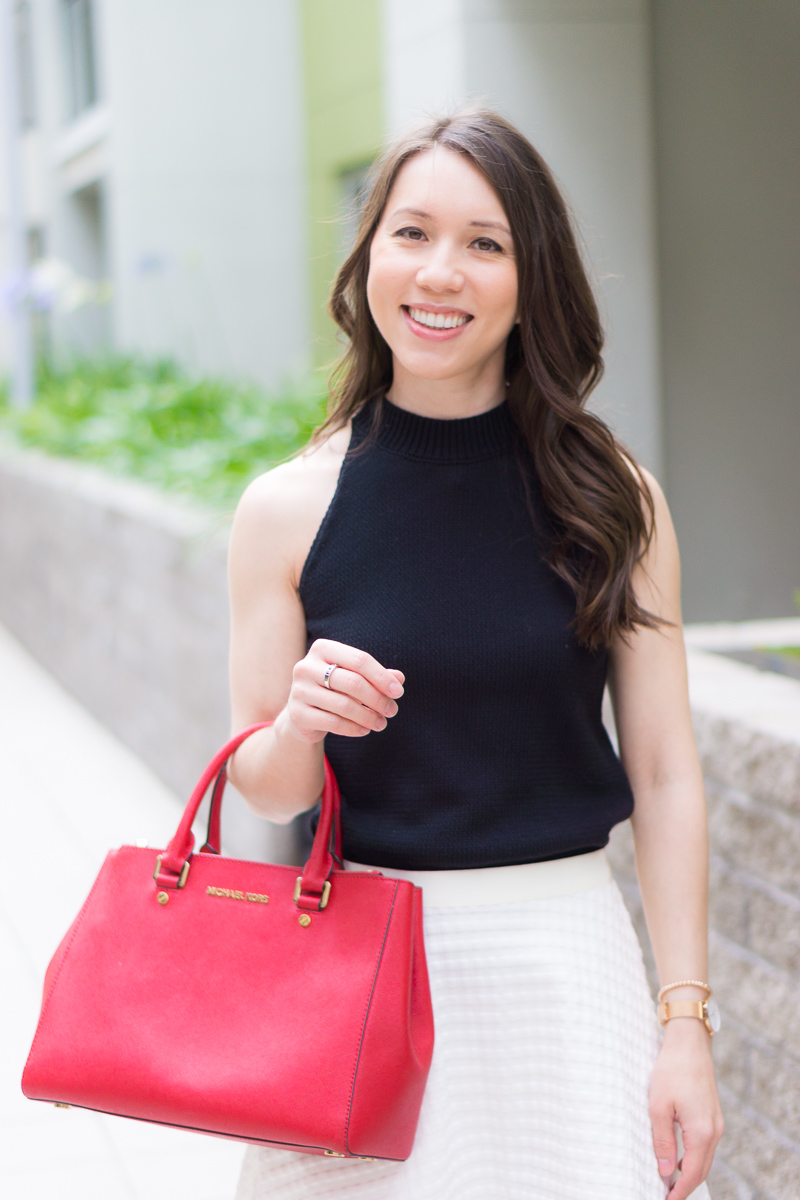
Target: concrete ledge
<point>747,725</point>
<point>743,635</point>
<point>122,595</point>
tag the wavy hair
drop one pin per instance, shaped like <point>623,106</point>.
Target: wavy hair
<point>599,507</point>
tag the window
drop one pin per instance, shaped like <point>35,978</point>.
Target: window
<point>80,55</point>
<point>25,77</point>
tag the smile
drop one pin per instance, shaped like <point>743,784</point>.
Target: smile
<point>435,326</point>
<point>439,320</point>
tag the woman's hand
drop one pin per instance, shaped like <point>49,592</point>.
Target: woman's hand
<point>683,1089</point>
<point>360,699</point>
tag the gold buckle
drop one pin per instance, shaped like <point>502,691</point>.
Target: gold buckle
<point>326,891</point>
<point>184,875</point>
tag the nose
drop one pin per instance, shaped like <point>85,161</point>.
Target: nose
<point>440,272</point>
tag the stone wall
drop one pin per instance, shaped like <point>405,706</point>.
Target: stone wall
<point>122,596</point>
<point>747,725</point>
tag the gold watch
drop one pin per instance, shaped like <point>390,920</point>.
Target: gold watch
<point>706,1011</point>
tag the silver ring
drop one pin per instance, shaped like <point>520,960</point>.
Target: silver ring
<point>326,678</point>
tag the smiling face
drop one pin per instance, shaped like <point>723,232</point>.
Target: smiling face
<point>442,284</point>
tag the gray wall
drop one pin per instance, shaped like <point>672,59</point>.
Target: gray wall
<point>727,100</point>
<point>674,126</point>
<point>123,597</point>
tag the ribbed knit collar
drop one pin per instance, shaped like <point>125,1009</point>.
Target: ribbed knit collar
<point>463,439</point>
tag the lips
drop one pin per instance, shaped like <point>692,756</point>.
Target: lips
<point>436,324</point>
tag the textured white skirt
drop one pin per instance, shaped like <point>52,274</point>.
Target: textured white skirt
<point>545,1038</point>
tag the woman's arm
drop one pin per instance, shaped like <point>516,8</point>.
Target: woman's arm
<point>649,690</point>
<point>279,770</point>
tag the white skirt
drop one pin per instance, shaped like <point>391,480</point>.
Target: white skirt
<point>546,1035</point>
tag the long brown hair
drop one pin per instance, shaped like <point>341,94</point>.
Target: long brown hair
<point>599,507</point>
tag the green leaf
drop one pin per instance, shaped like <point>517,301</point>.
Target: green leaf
<point>206,438</point>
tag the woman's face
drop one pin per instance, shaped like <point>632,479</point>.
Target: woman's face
<point>442,284</point>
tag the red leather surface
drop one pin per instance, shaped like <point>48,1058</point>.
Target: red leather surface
<point>217,1010</point>
<point>382,1123</point>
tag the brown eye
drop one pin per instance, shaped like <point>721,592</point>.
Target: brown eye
<point>486,244</point>
<point>411,233</point>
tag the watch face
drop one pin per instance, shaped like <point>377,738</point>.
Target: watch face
<point>714,1018</point>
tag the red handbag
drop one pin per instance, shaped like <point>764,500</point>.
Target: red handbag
<point>238,999</point>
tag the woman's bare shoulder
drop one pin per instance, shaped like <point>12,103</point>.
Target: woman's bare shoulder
<point>661,513</point>
<point>280,511</point>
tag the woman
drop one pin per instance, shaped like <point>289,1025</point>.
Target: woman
<point>461,529</point>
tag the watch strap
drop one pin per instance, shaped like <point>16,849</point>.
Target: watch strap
<point>668,1009</point>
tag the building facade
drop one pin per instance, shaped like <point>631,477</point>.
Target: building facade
<point>162,148</point>
<point>204,159</point>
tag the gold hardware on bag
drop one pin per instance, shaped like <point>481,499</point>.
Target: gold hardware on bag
<point>184,875</point>
<point>58,1104</point>
<point>335,1154</point>
<point>304,921</point>
<point>365,1158</point>
<point>162,897</point>
<point>326,891</point>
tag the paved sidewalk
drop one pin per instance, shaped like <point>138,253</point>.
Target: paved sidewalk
<point>70,793</point>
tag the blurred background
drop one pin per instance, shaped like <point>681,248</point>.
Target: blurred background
<point>181,165</point>
<point>179,181</point>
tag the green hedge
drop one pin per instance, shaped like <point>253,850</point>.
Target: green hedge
<point>202,437</point>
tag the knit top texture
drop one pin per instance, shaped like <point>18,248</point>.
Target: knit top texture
<point>428,558</point>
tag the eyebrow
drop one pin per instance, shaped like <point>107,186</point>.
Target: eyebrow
<point>418,212</point>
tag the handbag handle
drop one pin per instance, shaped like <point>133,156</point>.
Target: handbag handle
<point>313,886</point>
<point>213,833</point>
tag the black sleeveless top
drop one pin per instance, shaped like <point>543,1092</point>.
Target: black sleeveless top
<point>429,559</point>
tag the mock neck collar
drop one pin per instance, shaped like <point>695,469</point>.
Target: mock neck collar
<point>462,439</point>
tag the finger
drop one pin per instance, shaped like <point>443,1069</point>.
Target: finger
<point>341,705</point>
<point>664,1144</point>
<point>356,686</point>
<point>685,1185</point>
<point>329,722</point>
<point>694,1167</point>
<point>361,663</point>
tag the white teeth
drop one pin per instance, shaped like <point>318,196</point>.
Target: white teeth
<point>437,320</point>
